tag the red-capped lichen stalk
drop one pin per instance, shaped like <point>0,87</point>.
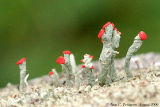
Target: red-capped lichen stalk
<point>55,77</point>
<point>67,67</point>
<point>88,67</point>
<point>110,38</point>
<point>134,48</point>
<point>22,66</point>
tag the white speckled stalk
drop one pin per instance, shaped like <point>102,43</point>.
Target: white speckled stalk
<point>88,71</point>
<point>67,68</point>
<point>134,48</point>
<point>22,68</point>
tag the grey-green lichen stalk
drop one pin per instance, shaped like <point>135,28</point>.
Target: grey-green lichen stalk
<point>22,66</point>
<point>134,48</point>
<point>55,77</point>
<point>67,67</point>
<point>87,67</point>
<point>115,44</point>
<point>110,39</point>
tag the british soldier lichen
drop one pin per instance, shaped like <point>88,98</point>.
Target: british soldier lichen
<point>110,37</point>
<point>88,67</point>
<point>55,77</point>
<point>67,67</point>
<point>134,48</point>
<point>22,66</point>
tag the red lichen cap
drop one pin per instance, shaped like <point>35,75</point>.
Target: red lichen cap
<point>91,56</point>
<point>142,35</point>
<point>61,60</point>
<point>83,66</point>
<point>50,73</point>
<point>21,61</point>
<point>92,67</point>
<point>115,28</point>
<point>107,24</point>
<point>101,32</point>
<point>82,61</point>
<point>67,52</point>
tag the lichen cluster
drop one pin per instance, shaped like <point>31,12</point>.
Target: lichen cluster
<point>83,81</point>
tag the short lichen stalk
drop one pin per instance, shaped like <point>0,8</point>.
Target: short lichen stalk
<point>78,78</point>
<point>55,77</point>
<point>134,48</point>
<point>88,67</point>
<point>22,66</point>
<point>108,53</point>
<point>66,67</point>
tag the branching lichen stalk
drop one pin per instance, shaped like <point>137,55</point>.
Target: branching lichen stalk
<point>107,55</point>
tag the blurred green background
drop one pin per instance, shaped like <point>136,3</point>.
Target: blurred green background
<point>41,29</point>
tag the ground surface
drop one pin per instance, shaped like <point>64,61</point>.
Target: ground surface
<point>142,90</point>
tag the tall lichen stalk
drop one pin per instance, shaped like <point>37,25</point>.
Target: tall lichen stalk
<point>134,48</point>
<point>115,44</point>
<point>22,66</point>
<point>110,37</point>
<point>22,76</point>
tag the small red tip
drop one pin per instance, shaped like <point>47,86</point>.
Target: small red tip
<point>50,73</point>
<point>82,61</point>
<point>101,33</point>
<point>107,24</point>
<point>21,61</point>
<point>61,60</point>
<point>66,52</point>
<point>142,35</point>
<point>83,66</point>
<point>92,67</point>
<point>91,56</point>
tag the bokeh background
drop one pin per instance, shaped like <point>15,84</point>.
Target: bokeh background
<point>41,29</point>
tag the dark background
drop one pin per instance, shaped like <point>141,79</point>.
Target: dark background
<point>41,29</point>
